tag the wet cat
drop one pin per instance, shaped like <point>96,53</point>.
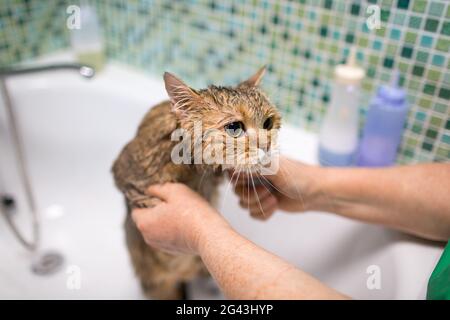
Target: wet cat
<point>227,112</point>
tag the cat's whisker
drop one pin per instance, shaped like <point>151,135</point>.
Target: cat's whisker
<point>201,179</point>
<point>275,187</point>
<point>256,194</point>
<point>236,172</point>
<point>230,182</point>
<point>262,183</point>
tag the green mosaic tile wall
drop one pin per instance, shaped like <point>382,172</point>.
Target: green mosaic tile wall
<point>30,28</point>
<point>220,41</point>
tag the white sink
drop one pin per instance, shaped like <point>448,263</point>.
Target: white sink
<point>73,128</point>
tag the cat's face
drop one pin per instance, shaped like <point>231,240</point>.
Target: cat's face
<point>239,124</point>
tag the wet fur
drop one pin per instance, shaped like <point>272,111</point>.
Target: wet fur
<point>145,160</point>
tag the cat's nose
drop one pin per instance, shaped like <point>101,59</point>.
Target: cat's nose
<point>261,155</point>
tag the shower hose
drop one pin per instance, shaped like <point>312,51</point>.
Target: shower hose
<point>32,244</point>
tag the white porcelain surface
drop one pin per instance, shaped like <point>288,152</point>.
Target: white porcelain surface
<point>73,128</point>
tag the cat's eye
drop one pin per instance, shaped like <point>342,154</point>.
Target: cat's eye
<point>268,124</point>
<point>235,129</point>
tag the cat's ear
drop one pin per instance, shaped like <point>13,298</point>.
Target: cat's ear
<point>181,96</point>
<point>255,79</point>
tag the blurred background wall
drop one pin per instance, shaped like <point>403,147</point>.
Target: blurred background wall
<point>217,41</point>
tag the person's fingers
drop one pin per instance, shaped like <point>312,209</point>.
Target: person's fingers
<point>141,218</point>
<point>262,203</point>
<point>252,198</point>
<point>240,190</point>
<point>160,191</point>
<point>261,206</point>
<point>248,192</point>
<point>166,190</point>
<point>241,179</point>
<point>265,210</point>
<point>264,214</point>
<point>135,213</point>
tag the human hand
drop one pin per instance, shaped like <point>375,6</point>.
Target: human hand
<point>292,188</point>
<point>178,221</point>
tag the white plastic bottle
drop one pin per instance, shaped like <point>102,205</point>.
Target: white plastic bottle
<point>87,41</point>
<point>338,140</point>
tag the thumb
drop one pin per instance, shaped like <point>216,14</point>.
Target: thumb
<point>160,191</point>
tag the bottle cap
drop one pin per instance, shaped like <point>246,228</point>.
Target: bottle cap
<point>392,93</point>
<point>350,72</point>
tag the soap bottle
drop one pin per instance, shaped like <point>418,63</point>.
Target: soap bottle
<point>338,139</point>
<point>384,126</point>
<point>87,41</point>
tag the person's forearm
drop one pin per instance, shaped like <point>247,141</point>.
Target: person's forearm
<point>246,271</point>
<point>408,198</point>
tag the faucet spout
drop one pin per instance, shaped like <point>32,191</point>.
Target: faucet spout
<point>84,70</point>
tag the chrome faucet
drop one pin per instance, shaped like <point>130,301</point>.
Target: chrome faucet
<point>32,245</point>
<point>84,70</point>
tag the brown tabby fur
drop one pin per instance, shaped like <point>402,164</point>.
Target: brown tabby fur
<point>146,160</point>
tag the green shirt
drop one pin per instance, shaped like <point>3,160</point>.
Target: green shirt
<point>439,283</point>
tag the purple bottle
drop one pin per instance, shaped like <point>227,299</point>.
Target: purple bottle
<point>384,126</point>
